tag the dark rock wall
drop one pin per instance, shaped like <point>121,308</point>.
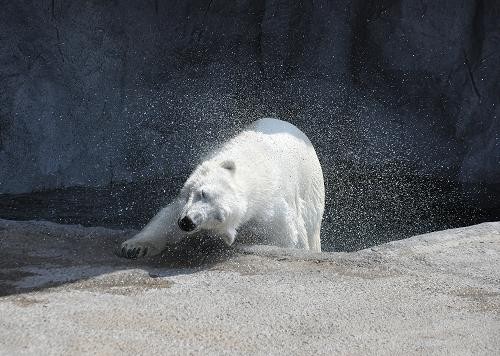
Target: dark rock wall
<point>99,92</point>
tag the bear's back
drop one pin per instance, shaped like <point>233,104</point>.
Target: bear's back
<point>271,126</point>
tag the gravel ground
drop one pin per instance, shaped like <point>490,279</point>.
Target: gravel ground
<point>62,291</point>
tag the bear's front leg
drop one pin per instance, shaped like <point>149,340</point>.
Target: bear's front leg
<point>155,236</point>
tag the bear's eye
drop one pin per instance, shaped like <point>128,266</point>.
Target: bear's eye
<point>204,194</point>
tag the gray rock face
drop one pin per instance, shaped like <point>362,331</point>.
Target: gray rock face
<point>62,291</point>
<point>98,92</point>
<point>92,91</point>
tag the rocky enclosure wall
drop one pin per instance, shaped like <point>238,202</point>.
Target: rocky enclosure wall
<point>97,92</point>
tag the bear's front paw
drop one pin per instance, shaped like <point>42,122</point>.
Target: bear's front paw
<point>134,249</point>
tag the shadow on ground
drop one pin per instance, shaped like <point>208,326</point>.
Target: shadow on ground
<point>40,255</point>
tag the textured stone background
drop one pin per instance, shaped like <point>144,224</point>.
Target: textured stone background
<point>401,98</point>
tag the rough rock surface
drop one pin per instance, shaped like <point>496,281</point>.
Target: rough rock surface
<point>400,99</point>
<point>93,92</point>
<point>64,292</point>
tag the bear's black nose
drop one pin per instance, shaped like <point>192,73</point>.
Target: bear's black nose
<point>186,224</point>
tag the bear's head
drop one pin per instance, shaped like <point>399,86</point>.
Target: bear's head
<point>211,200</point>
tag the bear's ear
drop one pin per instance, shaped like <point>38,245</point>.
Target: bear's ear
<point>229,165</point>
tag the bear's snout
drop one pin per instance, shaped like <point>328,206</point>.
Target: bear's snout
<point>186,224</point>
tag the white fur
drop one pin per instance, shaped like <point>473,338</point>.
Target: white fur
<point>265,185</point>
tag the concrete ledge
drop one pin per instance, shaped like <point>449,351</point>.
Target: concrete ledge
<point>64,292</point>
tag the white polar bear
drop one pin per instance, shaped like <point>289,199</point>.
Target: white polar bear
<point>265,185</point>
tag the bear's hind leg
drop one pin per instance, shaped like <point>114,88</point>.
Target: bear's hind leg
<point>302,240</point>
<point>290,230</point>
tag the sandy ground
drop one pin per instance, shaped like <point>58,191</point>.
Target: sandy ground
<point>64,292</point>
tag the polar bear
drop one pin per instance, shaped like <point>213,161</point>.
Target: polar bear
<point>265,185</point>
